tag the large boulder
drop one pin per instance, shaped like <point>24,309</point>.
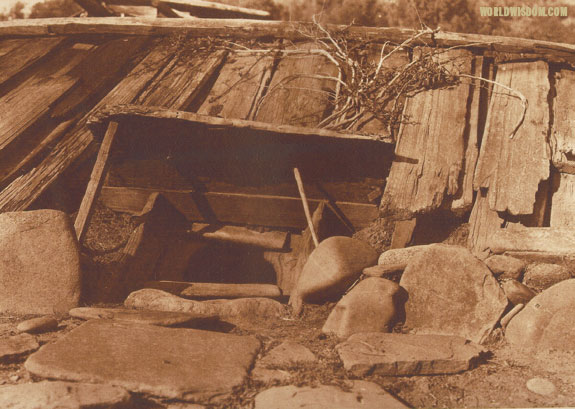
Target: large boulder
<point>39,263</point>
<point>332,267</point>
<point>400,257</point>
<point>547,321</point>
<point>241,309</point>
<point>373,305</point>
<point>544,275</point>
<point>451,292</point>
<point>505,266</point>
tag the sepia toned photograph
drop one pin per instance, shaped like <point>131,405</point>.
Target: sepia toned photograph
<point>282,204</point>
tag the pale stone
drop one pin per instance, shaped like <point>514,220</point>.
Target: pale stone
<point>544,275</point>
<point>287,353</point>
<point>248,309</point>
<point>540,386</point>
<point>407,354</point>
<point>399,257</point>
<point>333,267</point>
<point>362,394</point>
<point>451,292</point>
<point>174,363</point>
<point>39,263</point>
<point>505,266</point>
<point>547,321</point>
<point>371,306</point>
<point>161,318</point>
<point>265,375</point>
<point>38,325</point>
<point>516,292</point>
<point>63,395</point>
<point>16,346</point>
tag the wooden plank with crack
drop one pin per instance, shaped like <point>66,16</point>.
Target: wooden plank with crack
<point>563,132</point>
<point>563,200</point>
<point>239,86</point>
<point>24,190</point>
<point>511,168</point>
<point>18,54</point>
<point>234,208</point>
<point>24,105</point>
<point>299,93</point>
<point>430,146</point>
<point>482,223</point>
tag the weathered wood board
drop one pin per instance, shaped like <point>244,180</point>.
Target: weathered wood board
<point>563,133</point>
<point>16,55</point>
<point>235,208</point>
<point>512,168</point>
<point>430,147</point>
<point>24,190</point>
<point>558,241</point>
<point>238,87</point>
<point>296,95</point>
<point>563,201</point>
<point>483,222</point>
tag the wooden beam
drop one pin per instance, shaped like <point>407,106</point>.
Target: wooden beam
<point>271,240</point>
<point>95,183</point>
<point>241,28</point>
<point>215,290</point>
<point>560,242</point>
<point>235,208</point>
<point>136,112</point>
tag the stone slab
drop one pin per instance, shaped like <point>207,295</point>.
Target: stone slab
<point>161,318</point>
<point>361,394</point>
<point>407,354</point>
<point>38,325</point>
<point>287,353</point>
<point>63,395</point>
<point>39,263</point>
<point>175,363</point>
<point>16,346</point>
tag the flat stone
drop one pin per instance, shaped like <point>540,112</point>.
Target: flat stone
<point>407,354</point>
<point>399,257</point>
<point>174,363</point>
<point>333,267</point>
<point>241,309</point>
<point>265,375</point>
<point>39,263</point>
<point>544,275</point>
<point>541,386</point>
<point>371,306</point>
<point>547,321</point>
<point>516,292</point>
<point>63,395</point>
<point>384,271</point>
<point>16,346</point>
<point>38,325</point>
<point>362,394</point>
<point>505,267</point>
<point>451,292</point>
<point>287,353</point>
<point>161,318</point>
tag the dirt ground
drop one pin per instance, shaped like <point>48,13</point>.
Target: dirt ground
<point>499,381</point>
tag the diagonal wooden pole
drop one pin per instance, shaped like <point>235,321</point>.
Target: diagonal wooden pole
<point>305,206</point>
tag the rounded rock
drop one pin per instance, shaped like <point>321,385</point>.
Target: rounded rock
<point>38,325</point>
<point>540,386</point>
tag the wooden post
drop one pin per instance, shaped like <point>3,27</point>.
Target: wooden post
<point>95,183</point>
<point>305,206</point>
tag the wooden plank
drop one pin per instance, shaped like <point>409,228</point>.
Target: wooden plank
<point>463,199</point>
<point>238,87</point>
<point>563,201</point>
<point>27,103</point>
<point>294,96</point>
<point>235,208</point>
<point>181,80</point>
<point>24,190</point>
<point>430,147</point>
<point>100,70</point>
<point>189,119</point>
<point>215,290</point>
<point>23,54</point>
<point>241,28</point>
<point>95,184</point>
<point>403,233</point>
<point>512,168</point>
<point>482,223</point>
<point>271,240</point>
<point>563,132</point>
